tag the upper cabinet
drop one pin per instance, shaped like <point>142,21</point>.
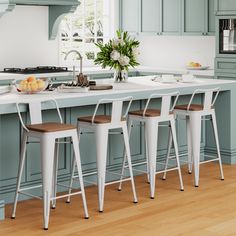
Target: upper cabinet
<point>171,17</point>
<point>57,9</point>
<point>129,16</point>
<point>193,17</point>
<point>198,17</point>
<point>168,17</point>
<point>225,7</point>
<point>150,16</point>
<point>160,17</point>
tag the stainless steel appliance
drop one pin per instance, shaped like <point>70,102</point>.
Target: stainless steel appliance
<point>227,34</point>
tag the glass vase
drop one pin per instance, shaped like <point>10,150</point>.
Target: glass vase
<point>121,76</point>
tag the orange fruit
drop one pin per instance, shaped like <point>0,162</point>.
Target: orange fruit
<point>31,78</point>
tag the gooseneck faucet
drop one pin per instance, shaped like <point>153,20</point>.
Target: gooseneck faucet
<point>80,58</point>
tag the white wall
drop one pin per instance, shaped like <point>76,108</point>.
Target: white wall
<point>24,43</point>
<point>176,51</point>
<point>24,38</point>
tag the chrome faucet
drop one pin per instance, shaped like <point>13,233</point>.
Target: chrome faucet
<point>80,58</point>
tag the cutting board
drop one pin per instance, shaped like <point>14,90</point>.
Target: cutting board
<point>101,87</point>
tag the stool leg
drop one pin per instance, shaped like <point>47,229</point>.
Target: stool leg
<point>217,144</point>
<point>78,163</point>
<point>195,125</point>
<point>71,179</point>
<point>54,180</point>
<point>173,131</point>
<point>168,154</point>
<point>125,156</point>
<point>189,144</point>
<point>20,172</point>
<point>152,137</point>
<point>128,154</point>
<point>47,152</point>
<point>146,152</point>
<point>101,135</point>
<point>72,176</point>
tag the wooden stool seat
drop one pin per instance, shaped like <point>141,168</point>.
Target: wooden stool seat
<point>192,107</point>
<point>50,127</point>
<point>148,113</point>
<point>99,119</point>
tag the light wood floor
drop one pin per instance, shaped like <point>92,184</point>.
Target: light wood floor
<point>209,210</point>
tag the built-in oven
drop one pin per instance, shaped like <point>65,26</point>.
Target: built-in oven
<point>227,36</point>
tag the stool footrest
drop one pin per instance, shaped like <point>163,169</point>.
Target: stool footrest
<point>211,160</point>
<point>30,195</point>
<point>117,181</point>
<point>167,170</point>
<point>66,195</point>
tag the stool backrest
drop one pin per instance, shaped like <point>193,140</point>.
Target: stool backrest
<point>166,107</point>
<point>209,98</point>
<point>117,108</point>
<point>35,111</point>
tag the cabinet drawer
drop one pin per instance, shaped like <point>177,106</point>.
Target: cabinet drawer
<point>225,76</point>
<point>225,65</point>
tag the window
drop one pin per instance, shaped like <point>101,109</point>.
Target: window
<point>91,23</point>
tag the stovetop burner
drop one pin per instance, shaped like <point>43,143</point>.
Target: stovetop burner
<point>36,70</point>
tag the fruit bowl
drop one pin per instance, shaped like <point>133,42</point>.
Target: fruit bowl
<point>31,85</point>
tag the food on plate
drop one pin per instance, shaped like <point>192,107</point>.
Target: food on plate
<point>31,84</point>
<point>194,64</point>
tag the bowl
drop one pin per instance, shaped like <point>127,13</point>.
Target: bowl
<point>31,85</point>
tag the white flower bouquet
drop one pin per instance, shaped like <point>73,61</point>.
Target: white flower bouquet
<point>119,54</point>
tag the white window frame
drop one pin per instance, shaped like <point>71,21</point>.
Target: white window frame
<point>110,13</point>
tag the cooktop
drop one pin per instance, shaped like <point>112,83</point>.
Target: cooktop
<point>36,70</point>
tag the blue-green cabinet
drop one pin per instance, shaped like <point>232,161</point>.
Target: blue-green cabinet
<point>168,17</point>
<point>225,7</point>
<point>193,17</point>
<point>129,16</point>
<point>171,17</point>
<point>160,16</point>
<point>211,18</point>
<point>150,16</point>
<point>198,17</point>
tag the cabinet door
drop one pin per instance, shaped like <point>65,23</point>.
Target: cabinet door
<point>129,16</point>
<point>225,7</point>
<point>150,16</point>
<point>171,17</point>
<point>193,20</point>
<point>210,24</point>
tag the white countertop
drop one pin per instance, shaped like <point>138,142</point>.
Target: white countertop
<point>98,70</point>
<point>135,84</point>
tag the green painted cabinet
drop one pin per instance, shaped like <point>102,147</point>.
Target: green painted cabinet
<point>168,17</point>
<point>225,7</point>
<point>211,18</point>
<point>150,16</point>
<point>160,17</point>
<point>171,17</point>
<point>198,17</point>
<point>129,16</point>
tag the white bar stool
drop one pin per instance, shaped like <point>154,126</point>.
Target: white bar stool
<point>151,119</point>
<point>48,135</point>
<point>194,114</point>
<point>101,124</point>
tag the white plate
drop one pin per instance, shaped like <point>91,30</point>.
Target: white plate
<point>67,89</point>
<point>197,68</point>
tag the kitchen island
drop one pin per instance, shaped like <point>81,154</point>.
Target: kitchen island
<point>80,104</point>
